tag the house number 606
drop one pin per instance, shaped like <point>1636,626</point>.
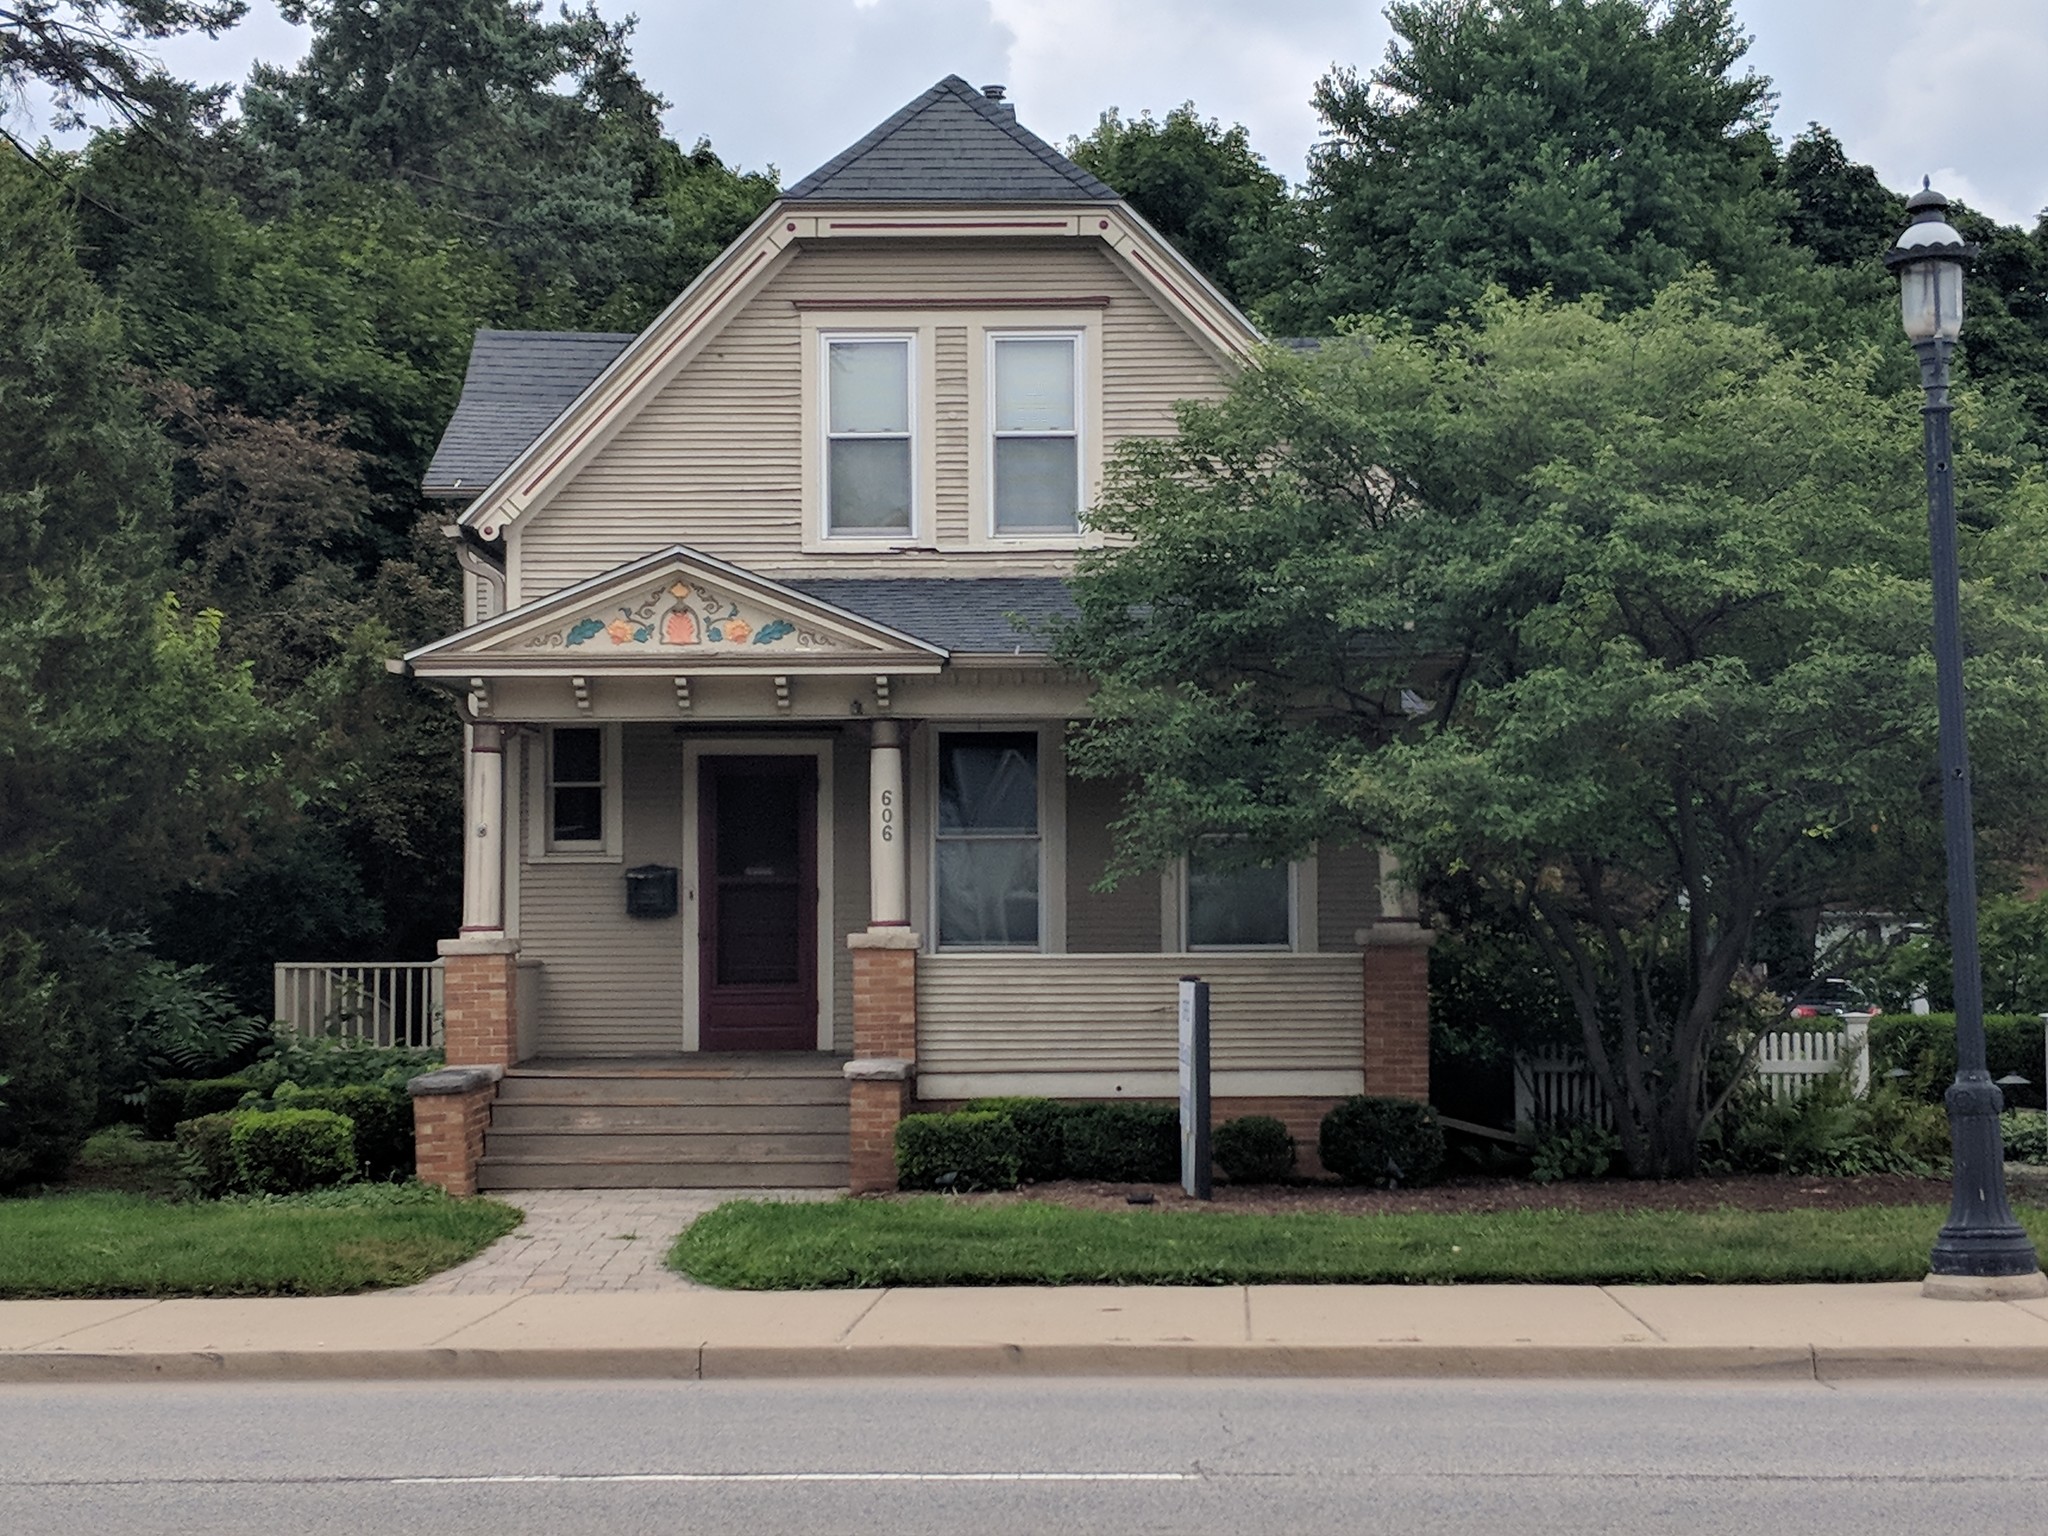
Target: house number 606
<point>888,798</point>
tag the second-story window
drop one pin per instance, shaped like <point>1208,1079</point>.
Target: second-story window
<point>869,463</point>
<point>1035,448</point>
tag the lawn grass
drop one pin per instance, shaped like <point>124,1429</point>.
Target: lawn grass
<point>326,1244</point>
<point>747,1245</point>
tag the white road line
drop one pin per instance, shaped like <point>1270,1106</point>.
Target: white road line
<point>799,1477</point>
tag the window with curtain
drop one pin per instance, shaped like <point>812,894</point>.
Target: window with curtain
<point>988,839</point>
<point>1035,447</point>
<point>575,786</point>
<point>1243,906</point>
<point>868,457</point>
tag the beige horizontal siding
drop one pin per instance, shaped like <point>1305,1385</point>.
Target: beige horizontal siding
<point>986,1014</point>
<point>715,459</point>
<point>1122,921</point>
<point>612,985</point>
<point>1347,895</point>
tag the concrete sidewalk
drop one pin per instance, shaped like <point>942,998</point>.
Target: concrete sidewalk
<point>1803,1332</point>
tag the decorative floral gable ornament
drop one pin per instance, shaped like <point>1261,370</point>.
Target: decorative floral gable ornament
<point>686,613</point>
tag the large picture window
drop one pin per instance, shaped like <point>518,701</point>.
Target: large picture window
<point>988,839</point>
<point>1237,906</point>
<point>575,798</point>
<point>1035,439</point>
<point>869,456</point>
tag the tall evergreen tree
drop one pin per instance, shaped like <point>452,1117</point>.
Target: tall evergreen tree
<point>1580,146</point>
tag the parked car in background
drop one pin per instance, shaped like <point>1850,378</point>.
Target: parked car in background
<point>1828,998</point>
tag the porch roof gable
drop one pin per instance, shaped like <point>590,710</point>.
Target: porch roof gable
<point>677,610</point>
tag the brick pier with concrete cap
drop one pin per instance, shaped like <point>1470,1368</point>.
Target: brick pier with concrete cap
<point>881,1077</point>
<point>1703,1332</point>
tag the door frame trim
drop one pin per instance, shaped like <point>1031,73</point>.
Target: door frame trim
<point>696,748</point>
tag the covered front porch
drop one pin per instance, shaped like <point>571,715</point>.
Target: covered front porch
<point>864,851</point>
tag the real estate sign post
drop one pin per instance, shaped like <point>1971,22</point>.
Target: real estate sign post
<point>1194,1087</point>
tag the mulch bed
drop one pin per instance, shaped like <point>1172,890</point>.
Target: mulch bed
<point>1473,1195</point>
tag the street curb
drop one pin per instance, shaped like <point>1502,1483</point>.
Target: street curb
<point>714,1362</point>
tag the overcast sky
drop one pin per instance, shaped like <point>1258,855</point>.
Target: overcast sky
<point>1953,88</point>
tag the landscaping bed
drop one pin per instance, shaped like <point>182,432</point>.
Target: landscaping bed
<point>1008,1240</point>
<point>1747,1192</point>
<point>326,1243</point>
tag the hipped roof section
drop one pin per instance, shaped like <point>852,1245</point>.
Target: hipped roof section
<point>517,383</point>
<point>952,144</point>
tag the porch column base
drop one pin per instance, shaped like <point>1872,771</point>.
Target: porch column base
<point>878,1093</point>
<point>884,1068</point>
<point>479,1001</point>
<point>1397,1008</point>
<point>451,1109</point>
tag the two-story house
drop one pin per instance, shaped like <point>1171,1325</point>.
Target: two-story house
<point>769,833</point>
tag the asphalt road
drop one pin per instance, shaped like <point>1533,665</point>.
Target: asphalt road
<point>969,1458</point>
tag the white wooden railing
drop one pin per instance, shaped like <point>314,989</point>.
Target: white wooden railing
<point>1560,1089</point>
<point>381,1002</point>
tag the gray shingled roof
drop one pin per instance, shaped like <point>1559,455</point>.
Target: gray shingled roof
<point>952,144</point>
<point>972,614</point>
<point>518,383</point>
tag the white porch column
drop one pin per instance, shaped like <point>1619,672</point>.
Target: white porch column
<point>888,842</point>
<point>483,842</point>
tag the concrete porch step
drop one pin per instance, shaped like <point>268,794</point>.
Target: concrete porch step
<point>667,1146</point>
<point>587,1089</point>
<point>538,1173</point>
<point>524,1114</point>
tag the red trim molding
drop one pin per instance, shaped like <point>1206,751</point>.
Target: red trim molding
<point>1085,301</point>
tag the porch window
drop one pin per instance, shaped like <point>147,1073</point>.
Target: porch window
<point>1242,906</point>
<point>1035,447</point>
<point>869,462</point>
<point>988,840</point>
<point>576,787</point>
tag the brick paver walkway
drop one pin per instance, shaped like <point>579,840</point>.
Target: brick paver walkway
<point>585,1240</point>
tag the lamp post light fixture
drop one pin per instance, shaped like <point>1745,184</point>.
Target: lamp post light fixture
<point>1982,1252</point>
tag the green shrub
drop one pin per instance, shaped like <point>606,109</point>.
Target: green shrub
<point>177,1098</point>
<point>1827,1130</point>
<point>317,1062</point>
<point>1581,1151</point>
<point>382,1116</point>
<point>1042,1126</point>
<point>1253,1149</point>
<point>970,1150</point>
<point>1392,1142</point>
<point>1123,1143</point>
<point>206,1155</point>
<point>1924,1045</point>
<point>284,1151</point>
<point>48,1067</point>
<point>2026,1135</point>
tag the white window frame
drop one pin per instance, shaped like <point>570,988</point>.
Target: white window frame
<point>1052,836</point>
<point>992,337</point>
<point>542,847</point>
<point>820,408</point>
<point>1301,924</point>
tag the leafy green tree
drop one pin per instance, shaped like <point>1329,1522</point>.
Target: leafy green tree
<point>1580,146</point>
<point>1623,620</point>
<point>93,53</point>
<point>1205,189</point>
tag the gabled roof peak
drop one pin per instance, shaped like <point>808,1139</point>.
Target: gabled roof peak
<point>952,144</point>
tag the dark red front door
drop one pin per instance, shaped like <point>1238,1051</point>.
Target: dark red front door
<point>759,879</point>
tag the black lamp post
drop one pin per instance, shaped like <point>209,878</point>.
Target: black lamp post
<point>1982,1251</point>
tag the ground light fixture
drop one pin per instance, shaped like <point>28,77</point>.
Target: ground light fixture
<point>1982,1252</point>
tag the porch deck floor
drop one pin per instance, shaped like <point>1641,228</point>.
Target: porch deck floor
<point>702,1064</point>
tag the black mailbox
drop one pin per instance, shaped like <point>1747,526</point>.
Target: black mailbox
<point>651,891</point>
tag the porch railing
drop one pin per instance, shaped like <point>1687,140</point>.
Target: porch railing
<point>380,1002</point>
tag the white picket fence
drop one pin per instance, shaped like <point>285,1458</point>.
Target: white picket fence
<point>384,1002</point>
<point>1561,1089</point>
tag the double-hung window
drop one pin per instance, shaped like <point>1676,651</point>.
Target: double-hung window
<point>1237,906</point>
<point>575,789</point>
<point>1035,435</point>
<point>988,839</point>
<point>870,458</point>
